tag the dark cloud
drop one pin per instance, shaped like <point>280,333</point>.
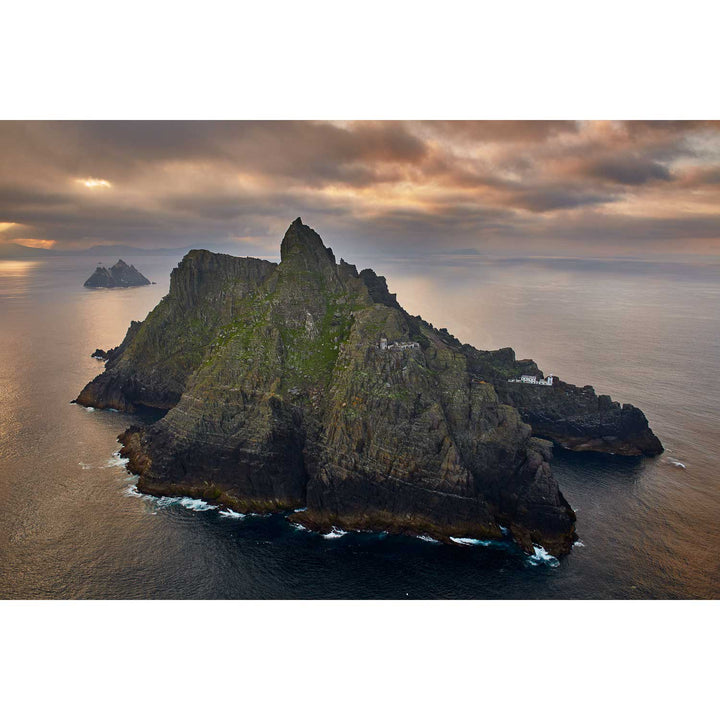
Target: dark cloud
<point>541,200</point>
<point>628,170</point>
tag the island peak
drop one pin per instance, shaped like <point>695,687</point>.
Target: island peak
<point>119,275</point>
<point>305,384</point>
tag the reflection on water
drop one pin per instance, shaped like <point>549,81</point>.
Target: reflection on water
<point>14,277</point>
<point>647,333</point>
<point>15,268</point>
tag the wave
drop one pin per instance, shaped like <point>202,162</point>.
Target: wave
<point>541,556</point>
<point>231,514</point>
<point>470,541</point>
<point>427,538</point>
<point>334,533</point>
<point>298,526</point>
<point>578,543</point>
<point>196,505</point>
<point>89,409</point>
<point>164,501</point>
<point>669,460</point>
<point>117,461</point>
<point>85,466</point>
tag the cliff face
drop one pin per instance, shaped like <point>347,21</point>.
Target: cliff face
<point>154,361</point>
<point>119,275</point>
<point>280,397</point>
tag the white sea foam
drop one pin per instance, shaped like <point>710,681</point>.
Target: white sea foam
<point>427,538</point>
<point>300,509</point>
<point>334,533</point>
<point>84,466</point>
<point>578,543</point>
<point>470,541</point>
<point>298,526</point>
<point>164,501</point>
<point>89,409</point>
<point>541,556</point>
<point>117,461</point>
<point>196,505</point>
<point>668,459</point>
<point>228,513</point>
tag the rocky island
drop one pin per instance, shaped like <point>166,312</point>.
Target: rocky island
<point>119,275</point>
<point>304,387</point>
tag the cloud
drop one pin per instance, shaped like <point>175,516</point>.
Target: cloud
<point>383,187</point>
<point>628,170</point>
<point>546,199</point>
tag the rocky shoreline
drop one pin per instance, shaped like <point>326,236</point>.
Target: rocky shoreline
<point>280,395</point>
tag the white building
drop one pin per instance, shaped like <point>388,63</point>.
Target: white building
<point>532,380</point>
<point>396,345</point>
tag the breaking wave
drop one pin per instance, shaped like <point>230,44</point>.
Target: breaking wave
<point>231,514</point>
<point>188,503</point>
<point>195,504</point>
<point>334,533</point>
<point>427,538</point>
<point>541,556</point>
<point>89,409</point>
<point>117,461</point>
<point>470,541</point>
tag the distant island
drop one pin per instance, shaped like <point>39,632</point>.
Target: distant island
<point>119,275</point>
<point>303,387</point>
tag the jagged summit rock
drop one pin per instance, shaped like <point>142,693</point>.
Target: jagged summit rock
<point>303,248</point>
<point>281,395</point>
<point>119,275</point>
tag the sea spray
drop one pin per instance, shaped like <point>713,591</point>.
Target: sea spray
<point>541,556</point>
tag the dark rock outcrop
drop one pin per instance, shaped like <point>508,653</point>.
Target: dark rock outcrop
<point>279,397</point>
<point>576,418</point>
<point>119,275</point>
<point>105,355</point>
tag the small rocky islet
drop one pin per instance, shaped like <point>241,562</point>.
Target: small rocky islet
<point>304,384</point>
<point>119,275</point>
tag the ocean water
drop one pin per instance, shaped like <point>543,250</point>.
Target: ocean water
<point>72,524</point>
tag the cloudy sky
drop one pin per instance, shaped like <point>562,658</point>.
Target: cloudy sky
<point>395,188</point>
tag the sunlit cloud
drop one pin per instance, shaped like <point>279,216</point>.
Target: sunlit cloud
<point>95,183</point>
<point>6,226</point>
<point>36,243</point>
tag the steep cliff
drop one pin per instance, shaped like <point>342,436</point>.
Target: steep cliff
<point>279,397</point>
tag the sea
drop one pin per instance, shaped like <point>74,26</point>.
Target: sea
<point>647,332</point>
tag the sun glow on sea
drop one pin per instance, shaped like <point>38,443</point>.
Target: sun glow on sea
<point>16,268</point>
